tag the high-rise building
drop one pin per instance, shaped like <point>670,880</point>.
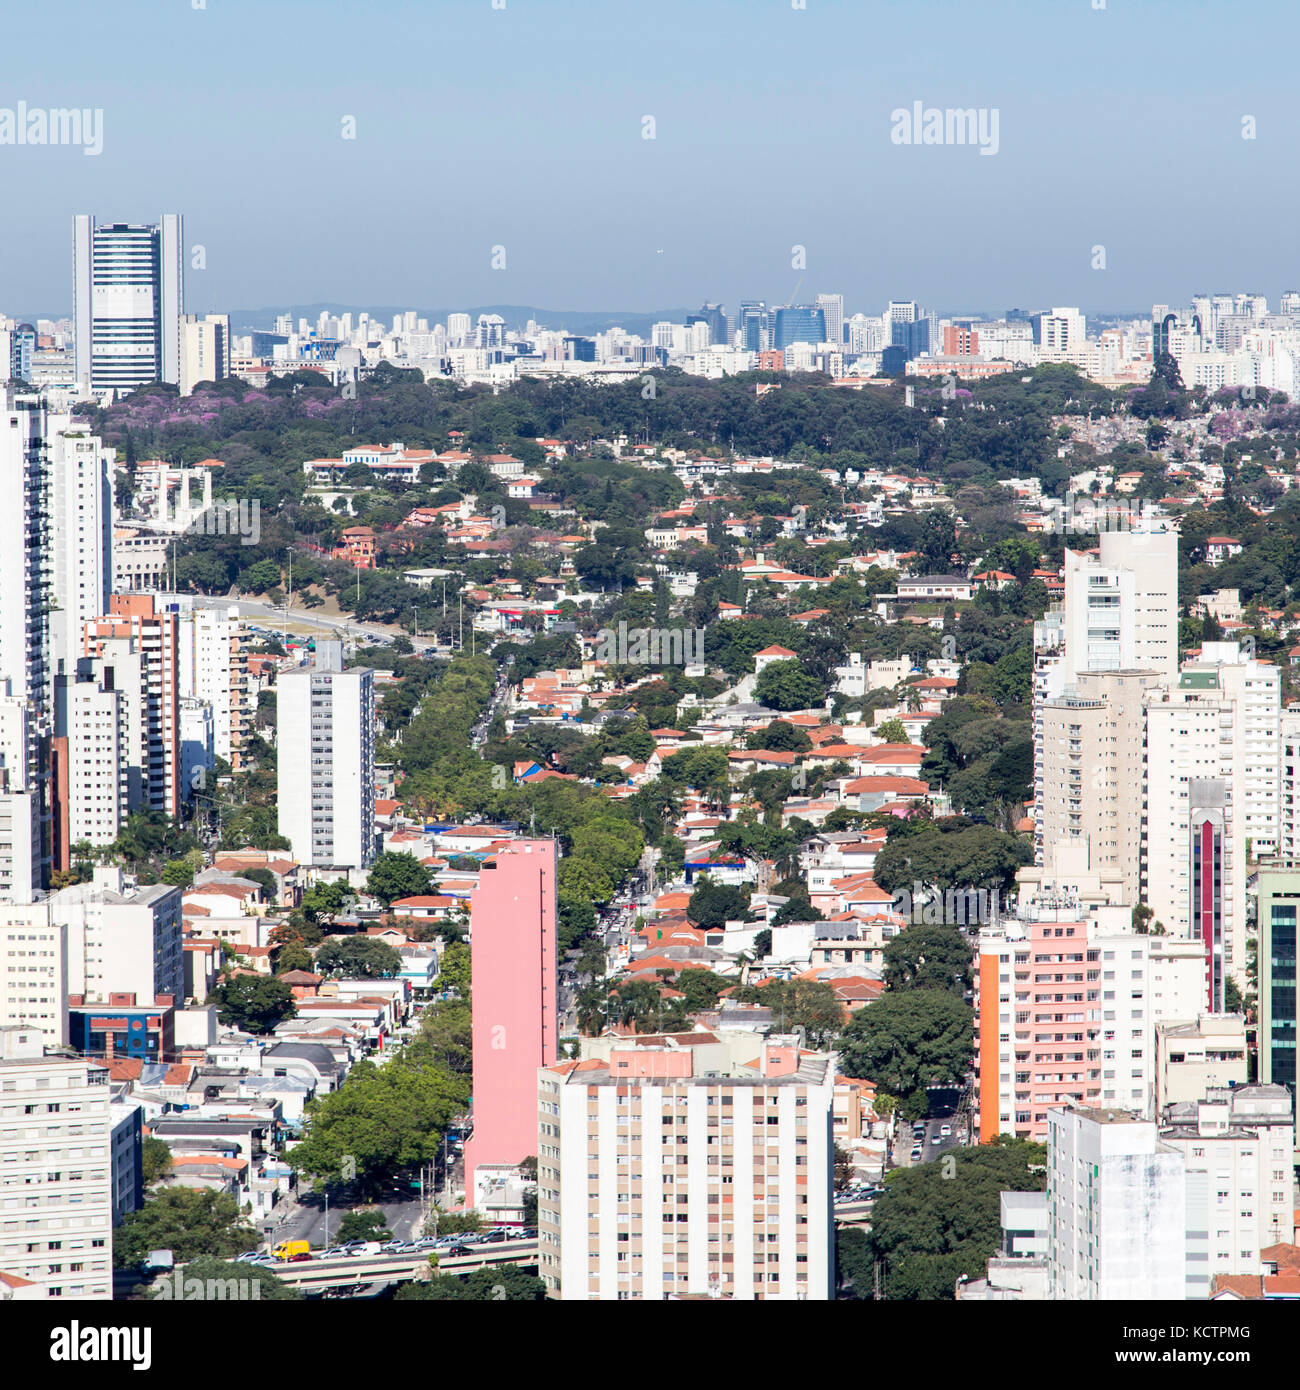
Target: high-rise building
<point>25,548</point>
<point>1238,1147</point>
<point>832,307</point>
<point>137,641</point>
<point>1194,845</point>
<point>1117,1208</point>
<point>22,840</point>
<point>513,948</point>
<point>1067,995</point>
<point>34,973</point>
<point>1255,689</point>
<point>56,1147</point>
<point>1276,917</point>
<point>326,758</point>
<point>80,537</point>
<point>93,752</point>
<point>205,350</point>
<point>213,647</point>
<point>1120,613</point>
<point>128,300</point>
<point>697,1164</point>
<point>115,942</point>
<point>17,347</point>
<point>798,323</point>
<point>715,318</point>
<point>960,341</point>
<point>1061,330</point>
<point>1092,764</point>
<point>751,325</point>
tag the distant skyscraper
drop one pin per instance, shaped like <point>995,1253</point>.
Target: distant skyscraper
<point>751,324</point>
<point>205,350</point>
<point>714,316</point>
<point>832,307</point>
<point>458,328</point>
<point>798,323</point>
<point>128,300</point>
<point>914,336</point>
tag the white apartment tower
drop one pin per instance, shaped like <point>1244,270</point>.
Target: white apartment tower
<point>1116,1202</point>
<point>81,530</point>
<point>1255,689</point>
<point>687,1165</point>
<point>1120,613</point>
<point>1237,1145</point>
<point>204,350</point>
<point>326,756</point>
<point>128,300</point>
<point>214,667</point>
<point>56,1215</point>
<point>832,307</point>
<point>1194,850</point>
<point>96,720</point>
<point>1063,330</point>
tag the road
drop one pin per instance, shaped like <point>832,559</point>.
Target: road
<point>306,1220</point>
<point>268,615</point>
<point>933,1142</point>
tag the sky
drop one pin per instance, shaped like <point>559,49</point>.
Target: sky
<point>514,131</point>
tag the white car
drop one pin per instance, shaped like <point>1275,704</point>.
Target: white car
<point>945,1130</point>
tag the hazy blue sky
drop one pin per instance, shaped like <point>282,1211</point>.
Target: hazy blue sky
<point>522,127</point>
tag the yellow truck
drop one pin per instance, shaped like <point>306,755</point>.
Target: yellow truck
<point>293,1250</point>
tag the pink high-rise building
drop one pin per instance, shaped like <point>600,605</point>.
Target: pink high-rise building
<point>513,962</point>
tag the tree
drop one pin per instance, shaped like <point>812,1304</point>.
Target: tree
<point>155,1160</point>
<point>950,854</point>
<point>224,1280</point>
<point>385,1119</point>
<point>185,1220</point>
<point>500,1284</point>
<point>780,736</point>
<point>365,1224</point>
<point>926,956</point>
<point>788,685</point>
<point>715,904</point>
<point>927,1231</point>
<point>797,908</point>
<point>326,899</point>
<point>807,1004</point>
<point>702,988</point>
<point>454,968</point>
<point>893,731</point>
<point>909,1039</point>
<point>178,873</point>
<point>363,957</point>
<point>292,956</point>
<point>445,1036</point>
<point>254,1003</point>
<point>394,876</point>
